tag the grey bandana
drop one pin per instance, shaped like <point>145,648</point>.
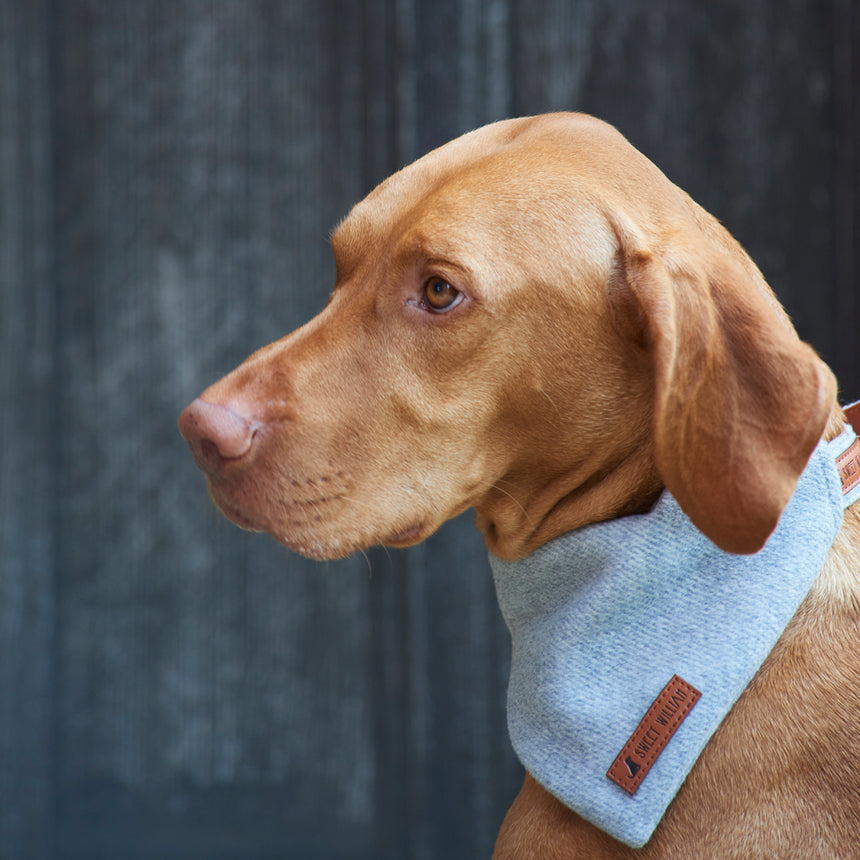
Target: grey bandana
<point>602,619</point>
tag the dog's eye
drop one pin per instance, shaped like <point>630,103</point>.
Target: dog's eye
<point>440,296</point>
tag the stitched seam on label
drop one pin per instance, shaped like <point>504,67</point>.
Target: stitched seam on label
<point>617,772</point>
<point>844,461</point>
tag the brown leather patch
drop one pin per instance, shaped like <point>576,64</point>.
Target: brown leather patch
<point>658,725</point>
<point>849,467</point>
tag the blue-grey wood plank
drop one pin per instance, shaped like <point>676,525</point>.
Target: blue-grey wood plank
<point>27,436</point>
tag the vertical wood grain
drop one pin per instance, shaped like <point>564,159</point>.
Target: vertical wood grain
<point>27,436</point>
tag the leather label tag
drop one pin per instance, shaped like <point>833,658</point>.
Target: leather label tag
<point>659,724</point>
<point>849,467</point>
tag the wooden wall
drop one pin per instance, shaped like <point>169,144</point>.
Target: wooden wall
<point>169,171</point>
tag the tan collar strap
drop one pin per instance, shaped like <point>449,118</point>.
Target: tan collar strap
<point>852,413</point>
<point>848,462</point>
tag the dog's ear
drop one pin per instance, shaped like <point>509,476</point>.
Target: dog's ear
<point>739,401</point>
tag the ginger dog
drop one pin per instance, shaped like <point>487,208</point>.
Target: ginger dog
<point>533,322</point>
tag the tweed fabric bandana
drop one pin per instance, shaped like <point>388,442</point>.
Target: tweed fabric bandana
<point>605,618</point>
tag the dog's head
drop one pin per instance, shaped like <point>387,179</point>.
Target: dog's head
<point>534,322</point>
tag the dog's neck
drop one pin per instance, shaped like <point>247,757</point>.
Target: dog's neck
<point>534,505</point>
<point>524,511</point>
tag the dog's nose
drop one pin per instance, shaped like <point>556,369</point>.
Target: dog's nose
<point>216,434</point>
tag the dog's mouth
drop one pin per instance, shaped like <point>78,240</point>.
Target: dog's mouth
<point>314,525</point>
<point>306,515</point>
<point>240,519</point>
<point>237,514</point>
<point>407,537</point>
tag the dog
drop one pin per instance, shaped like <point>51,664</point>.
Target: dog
<point>534,322</point>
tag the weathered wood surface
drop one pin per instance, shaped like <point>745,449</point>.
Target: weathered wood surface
<point>169,172</point>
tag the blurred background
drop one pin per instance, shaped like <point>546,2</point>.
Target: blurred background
<point>171,687</point>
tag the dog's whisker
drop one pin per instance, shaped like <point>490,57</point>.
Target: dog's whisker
<point>551,401</point>
<point>368,563</point>
<point>512,497</point>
